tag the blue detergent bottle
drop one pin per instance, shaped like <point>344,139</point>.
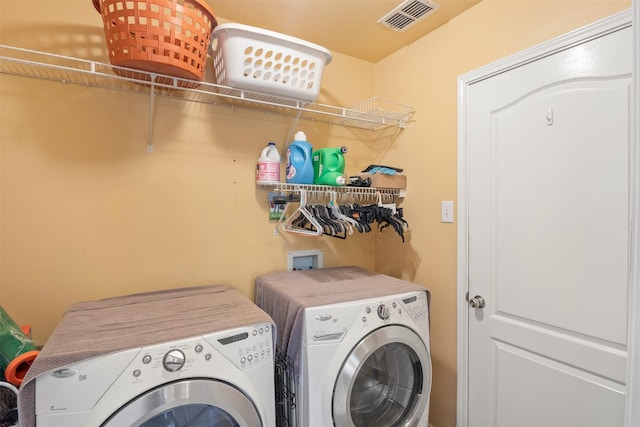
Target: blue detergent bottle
<point>299,168</point>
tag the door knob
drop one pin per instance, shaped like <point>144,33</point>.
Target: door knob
<point>476,302</point>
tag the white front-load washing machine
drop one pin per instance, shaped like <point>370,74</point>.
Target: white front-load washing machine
<point>205,358</point>
<point>359,344</point>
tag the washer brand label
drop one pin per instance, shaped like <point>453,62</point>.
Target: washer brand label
<point>64,373</point>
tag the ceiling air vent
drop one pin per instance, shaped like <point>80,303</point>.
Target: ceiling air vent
<point>407,14</point>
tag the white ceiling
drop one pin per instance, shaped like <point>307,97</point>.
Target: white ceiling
<point>345,26</point>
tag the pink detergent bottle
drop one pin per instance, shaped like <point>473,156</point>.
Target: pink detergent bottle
<point>268,168</point>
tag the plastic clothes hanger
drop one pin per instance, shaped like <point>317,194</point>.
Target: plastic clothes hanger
<point>327,226</point>
<point>385,217</point>
<point>331,225</point>
<point>348,222</point>
<point>391,206</point>
<point>364,215</point>
<point>289,226</point>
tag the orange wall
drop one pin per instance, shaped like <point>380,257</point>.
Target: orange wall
<point>424,75</point>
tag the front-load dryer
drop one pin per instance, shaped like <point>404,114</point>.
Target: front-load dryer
<point>205,358</point>
<point>359,344</point>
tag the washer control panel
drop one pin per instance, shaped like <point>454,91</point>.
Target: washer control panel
<point>244,347</point>
<point>416,305</point>
<point>178,358</point>
<point>249,347</point>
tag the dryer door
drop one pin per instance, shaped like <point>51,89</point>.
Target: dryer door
<point>188,403</point>
<point>385,381</point>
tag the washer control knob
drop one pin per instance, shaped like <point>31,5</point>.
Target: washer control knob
<point>173,361</point>
<point>383,312</point>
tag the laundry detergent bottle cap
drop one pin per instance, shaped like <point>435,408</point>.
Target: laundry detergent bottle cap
<point>268,168</point>
<point>299,168</point>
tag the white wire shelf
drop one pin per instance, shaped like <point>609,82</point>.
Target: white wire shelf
<point>310,188</point>
<point>372,115</point>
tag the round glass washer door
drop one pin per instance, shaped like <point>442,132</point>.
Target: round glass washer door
<point>188,403</point>
<point>384,382</point>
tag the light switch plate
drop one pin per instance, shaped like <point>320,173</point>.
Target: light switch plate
<point>447,211</point>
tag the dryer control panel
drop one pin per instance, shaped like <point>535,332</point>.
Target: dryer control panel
<point>394,308</point>
<point>330,323</point>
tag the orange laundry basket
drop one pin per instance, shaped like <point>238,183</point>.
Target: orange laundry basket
<point>169,37</point>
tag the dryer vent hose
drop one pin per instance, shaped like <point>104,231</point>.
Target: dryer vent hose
<point>17,351</point>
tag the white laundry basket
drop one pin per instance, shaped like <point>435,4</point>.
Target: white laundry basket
<point>260,60</point>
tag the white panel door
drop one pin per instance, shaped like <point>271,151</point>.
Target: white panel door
<point>547,211</point>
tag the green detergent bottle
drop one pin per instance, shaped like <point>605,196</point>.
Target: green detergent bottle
<point>328,166</point>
